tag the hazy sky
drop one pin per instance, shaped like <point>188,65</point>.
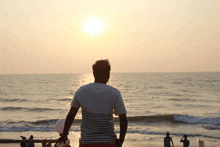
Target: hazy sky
<point>47,36</point>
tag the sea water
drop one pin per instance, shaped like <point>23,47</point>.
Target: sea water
<point>156,103</point>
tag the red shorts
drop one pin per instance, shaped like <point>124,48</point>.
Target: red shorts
<point>97,145</point>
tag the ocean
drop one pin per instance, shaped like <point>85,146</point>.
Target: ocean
<point>156,103</point>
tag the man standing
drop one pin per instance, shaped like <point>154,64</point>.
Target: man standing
<point>98,102</point>
<point>167,140</point>
<point>23,144</point>
<point>186,142</point>
<point>31,143</point>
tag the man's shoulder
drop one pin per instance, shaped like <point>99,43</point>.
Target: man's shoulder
<point>84,87</point>
<point>102,87</point>
<point>113,88</point>
<point>168,138</point>
<point>98,87</point>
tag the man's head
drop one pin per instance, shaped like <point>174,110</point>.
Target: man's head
<point>31,137</point>
<point>185,136</point>
<point>101,71</point>
<point>168,134</point>
<point>24,138</point>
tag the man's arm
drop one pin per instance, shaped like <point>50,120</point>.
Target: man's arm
<point>69,119</point>
<point>68,122</point>
<point>172,142</point>
<point>123,128</point>
<point>181,139</point>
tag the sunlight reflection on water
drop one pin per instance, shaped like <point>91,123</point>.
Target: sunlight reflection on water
<point>85,79</point>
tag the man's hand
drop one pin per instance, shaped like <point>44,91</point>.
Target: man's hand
<point>68,122</point>
<point>119,143</point>
<point>63,138</point>
<point>123,128</point>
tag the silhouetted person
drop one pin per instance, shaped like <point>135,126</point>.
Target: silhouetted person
<point>185,141</point>
<point>98,102</point>
<point>49,145</point>
<point>44,144</point>
<point>23,144</point>
<point>167,140</point>
<point>31,144</point>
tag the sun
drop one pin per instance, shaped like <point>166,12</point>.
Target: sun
<point>94,25</point>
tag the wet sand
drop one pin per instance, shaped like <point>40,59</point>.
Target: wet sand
<point>131,145</point>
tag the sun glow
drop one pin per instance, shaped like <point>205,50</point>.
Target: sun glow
<point>94,25</point>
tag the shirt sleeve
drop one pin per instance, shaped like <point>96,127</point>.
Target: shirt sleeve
<point>119,105</point>
<point>75,102</point>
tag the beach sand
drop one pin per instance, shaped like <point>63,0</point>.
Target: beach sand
<point>131,145</point>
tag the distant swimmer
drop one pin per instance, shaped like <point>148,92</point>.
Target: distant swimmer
<point>185,141</point>
<point>167,140</point>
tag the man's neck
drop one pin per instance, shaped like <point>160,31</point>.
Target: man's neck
<point>100,81</point>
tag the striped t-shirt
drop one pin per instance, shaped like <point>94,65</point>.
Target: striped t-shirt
<point>167,141</point>
<point>98,102</point>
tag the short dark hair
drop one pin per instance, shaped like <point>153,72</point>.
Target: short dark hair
<point>101,66</point>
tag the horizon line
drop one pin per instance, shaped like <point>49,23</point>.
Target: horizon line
<point>110,72</point>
